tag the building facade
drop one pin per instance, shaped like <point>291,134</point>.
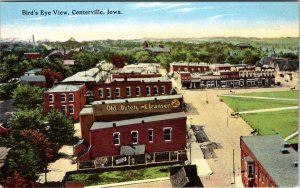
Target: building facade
<point>273,164</point>
<point>134,87</point>
<point>189,67</point>
<point>69,99</point>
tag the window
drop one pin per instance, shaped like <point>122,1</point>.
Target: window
<point>150,132</point>
<point>108,94</point>
<point>128,91</point>
<point>168,134</point>
<point>116,136</point>
<point>250,170</point>
<point>101,92</point>
<point>155,90</point>
<point>71,109</point>
<point>118,93</point>
<point>148,91</point>
<point>163,90</point>
<point>138,91</point>
<point>51,98</point>
<point>71,97</point>
<point>64,109</point>
<point>134,137</point>
<point>63,97</point>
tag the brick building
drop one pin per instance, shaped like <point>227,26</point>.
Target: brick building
<point>69,99</point>
<point>32,55</point>
<point>189,67</point>
<point>108,125</point>
<point>132,87</point>
<point>268,161</point>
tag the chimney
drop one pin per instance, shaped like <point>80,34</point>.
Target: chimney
<point>295,163</point>
<point>114,125</point>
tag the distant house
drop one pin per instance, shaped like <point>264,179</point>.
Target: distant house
<point>32,55</point>
<point>280,64</point>
<point>63,54</point>
<point>268,161</point>
<point>69,62</point>
<point>156,50</point>
<point>34,78</point>
<point>243,45</point>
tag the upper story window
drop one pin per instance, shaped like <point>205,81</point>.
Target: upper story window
<point>71,97</point>
<point>168,134</point>
<point>118,92</point>
<point>134,137</point>
<point>51,98</point>
<point>138,91</point>
<point>117,140</point>
<point>155,90</point>
<point>101,92</point>
<point>150,133</point>
<point>163,90</point>
<point>63,97</point>
<point>108,93</point>
<point>128,91</point>
<point>250,170</point>
<point>71,109</point>
<point>148,91</point>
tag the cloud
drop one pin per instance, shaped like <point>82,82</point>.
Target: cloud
<point>217,16</point>
<point>182,10</point>
<point>159,6</point>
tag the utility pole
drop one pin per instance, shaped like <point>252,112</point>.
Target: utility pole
<point>190,152</point>
<point>233,168</point>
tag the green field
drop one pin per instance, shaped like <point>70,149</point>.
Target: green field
<point>279,94</point>
<point>121,176</point>
<point>243,104</point>
<point>283,122</point>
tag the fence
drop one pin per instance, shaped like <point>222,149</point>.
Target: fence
<point>133,160</point>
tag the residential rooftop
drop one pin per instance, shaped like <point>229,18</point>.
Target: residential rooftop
<point>33,78</point>
<point>137,99</point>
<point>190,63</point>
<point>280,167</point>
<point>104,125</point>
<point>64,88</point>
<point>34,71</point>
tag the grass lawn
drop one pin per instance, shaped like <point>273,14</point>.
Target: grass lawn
<point>121,176</point>
<point>293,140</point>
<point>279,94</point>
<point>243,104</point>
<point>282,122</point>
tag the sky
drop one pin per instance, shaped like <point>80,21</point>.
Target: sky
<point>140,20</point>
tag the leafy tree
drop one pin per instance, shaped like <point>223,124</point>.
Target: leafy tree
<point>61,129</point>
<point>28,119</point>
<point>6,90</point>
<point>22,158</point>
<point>118,60</point>
<point>143,57</point>
<point>27,96</point>
<point>164,60</point>
<point>17,180</point>
<point>51,76</point>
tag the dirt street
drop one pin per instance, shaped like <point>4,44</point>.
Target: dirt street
<point>213,115</point>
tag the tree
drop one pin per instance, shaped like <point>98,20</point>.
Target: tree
<point>118,60</point>
<point>61,129</point>
<point>28,119</point>
<point>27,96</point>
<point>164,60</point>
<point>143,57</point>
<point>22,158</point>
<point>17,180</point>
<point>51,76</point>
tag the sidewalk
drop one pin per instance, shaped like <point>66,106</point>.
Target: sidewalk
<point>269,110</point>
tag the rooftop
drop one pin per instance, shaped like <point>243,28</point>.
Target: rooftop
<point>64,88</point>
<point>3,154</point>
<point>158,49</point>
<point>34,71</point>
<point>266,150</point>
<point>103,125</point>
<point>86,110</point>
<point>91,75</point>
<point>189,63</point>
<point>153,79</point>
<point>138,99</point>
<point>33,78</point>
